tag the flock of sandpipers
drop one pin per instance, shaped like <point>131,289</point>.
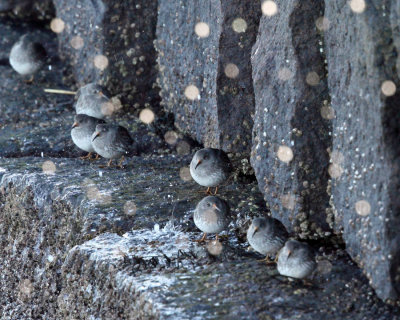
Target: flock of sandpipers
<point>209,168</point>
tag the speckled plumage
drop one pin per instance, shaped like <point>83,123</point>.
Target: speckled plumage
<point>91,100</point>
<point>82,131</point>
<point>112,141</point>
<point>267,235</point>
<point>210,167</point>
<point>27,56</point>
<point>296,260</point>
<point>211,215</point>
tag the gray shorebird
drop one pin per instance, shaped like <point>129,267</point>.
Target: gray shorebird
<point>92,101</point>
<point>27,56</point>
<point>81,133</point>
<point>112,142</point>
<point>267,236</point>
<point>211,216</point>
<point>296,260</point>
<point>210,168</point>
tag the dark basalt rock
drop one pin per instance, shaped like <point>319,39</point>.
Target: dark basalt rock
<point>290,90</point>
<point>123,32</point>
<point>362,53</point>
<point>222,116</point>
<point>32,10</point>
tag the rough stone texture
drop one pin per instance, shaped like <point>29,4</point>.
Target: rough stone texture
<point>222,116</point>
<point>35,123</point>
<point>149,274</point>
<point>288,114</point>
<point>362,52</point>
<point>39,10</point>
<point>42,216</point>
<point>123,32</point>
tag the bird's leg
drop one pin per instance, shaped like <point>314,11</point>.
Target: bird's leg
<point>120,162</point>
<point>267,260</point>
<point>216,191</point>
<point>88,156</point>
<point>97,157</point>
<point>208,191</point>
<point>203,239</point>
<point>108,164</point>
<point>30,80</point>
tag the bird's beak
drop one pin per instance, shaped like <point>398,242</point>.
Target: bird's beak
<point>255,230</point>
<point>289,253</point>
<point>197,164</point>
<point>96,135</point>
<point>101,94</point>
<point>76,124</point>
<point>215,206</point>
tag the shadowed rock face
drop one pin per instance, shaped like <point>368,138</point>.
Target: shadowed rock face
<point>290,137</point>
<point>213,56</point>
<point>34,10</point>
<point>123,33</point>
<point>362,52</point>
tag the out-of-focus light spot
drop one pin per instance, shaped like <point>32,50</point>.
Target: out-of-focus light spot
<point>335,170</point>
<point>324,267</point>
<point>363,208</point>
<point>327,113</point>
<point>130,208</point>
<point>388,88</point>
<point>185,175</point>
<point>322,24</point>
<point>26,288</point>
<point>49,167</point>
<point>285,74</point>
<point>171,137</point>
<point>231,70</point>
<point>269,8</point>
<point>57,25</point>
<point>192,92</point>
<point>92,192</point>
<point>100,62</point>
<point>239,25</point>
<point>214,247</point>
<point>77,42</point>
<point>107,108</point>
<point>285,154</point>
<point>146,116</point>
<point>183,148</point>
<point>288,201</point>
<point>116,103</point>
<point>337,157</point>
<point>312,78</point>
<point>358,6</point>
<point>202,29</point>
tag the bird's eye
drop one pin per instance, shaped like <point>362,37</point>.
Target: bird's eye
<point>208,204</point>
<point>205,157</point>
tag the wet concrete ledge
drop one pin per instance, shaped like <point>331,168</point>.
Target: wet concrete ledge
<point>81,242</point>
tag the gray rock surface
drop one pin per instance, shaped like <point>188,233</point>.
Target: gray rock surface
<point>365,137</point>
<point>290,136</point>
<point>123,33</point>
<point>74,249</point>
<point>220,115</point>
